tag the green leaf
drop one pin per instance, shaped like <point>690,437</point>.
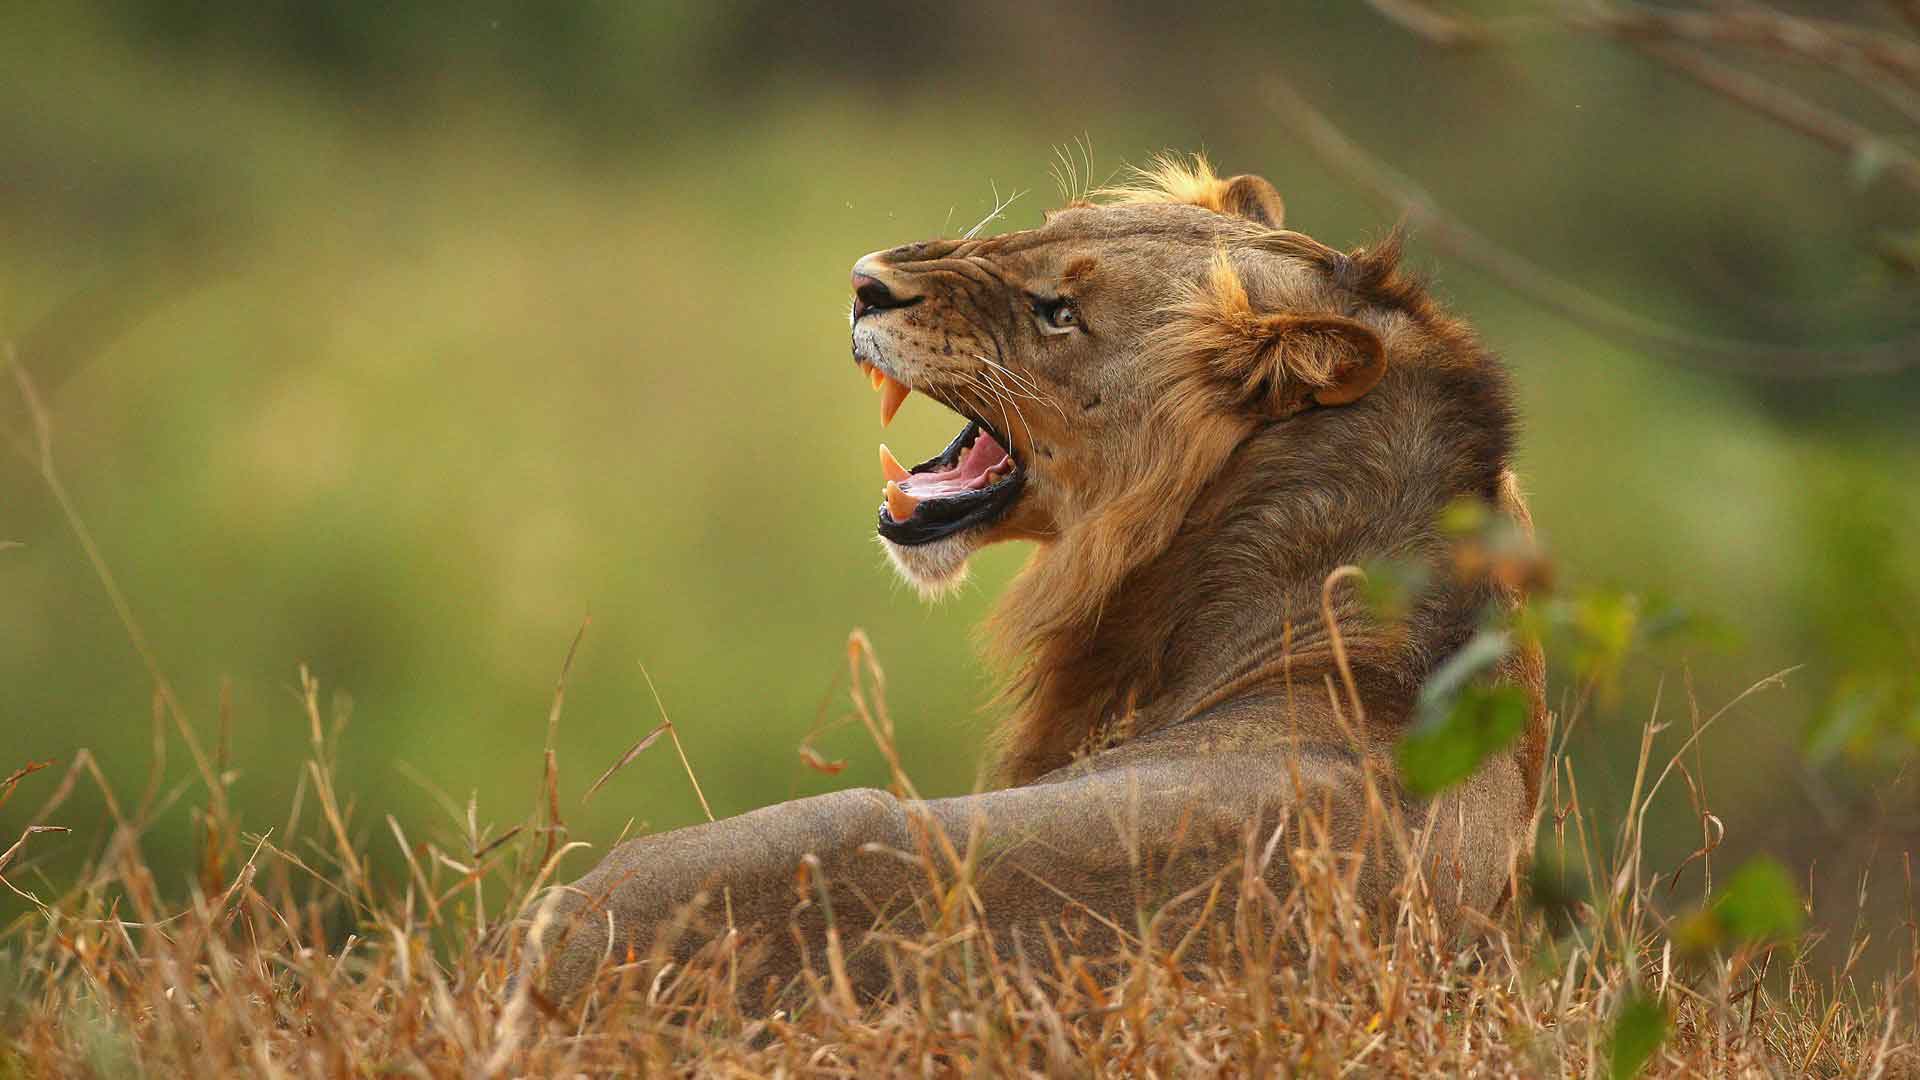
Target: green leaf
<point>1391,586</point>
<point>1873,716</point>
<point>1458,724</point>
<point>1474,659</point>
<point>1760,904</point>
<point>1848,722</point>
<point>1639,1029</point>
<point>1698,934</point>
<point>1481,722</point>
<point>1604,623</point>
<point>1464,517</point>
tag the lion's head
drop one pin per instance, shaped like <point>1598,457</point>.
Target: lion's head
<point>1105,363</point>
<point>1197,415</point>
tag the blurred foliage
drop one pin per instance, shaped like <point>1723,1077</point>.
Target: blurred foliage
<point>1873,715</point>
<point>1459,722</point>
<point>1556,887</point>
<point>1460,717</point>
<point>1758,906</point>
<point>1596,630</point>
<point>1872,711</point>
<point>396,340</point>
<point>1445,748</point>
<point>1901,252</point>
<point>1638,1030</point>
<point>1389,587</point>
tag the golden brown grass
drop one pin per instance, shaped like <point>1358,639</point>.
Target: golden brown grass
<point>292,953</point>
<point>303,951</point>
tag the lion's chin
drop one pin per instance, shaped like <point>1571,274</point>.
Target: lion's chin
<point>934,569</point>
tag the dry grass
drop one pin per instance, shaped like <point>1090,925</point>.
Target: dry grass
<point>291,953</point>
<point>300,951</point>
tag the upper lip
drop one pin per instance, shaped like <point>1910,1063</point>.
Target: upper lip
<point>894,388</point>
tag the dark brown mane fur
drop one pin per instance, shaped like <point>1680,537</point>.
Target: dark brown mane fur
<point>1231,600</point>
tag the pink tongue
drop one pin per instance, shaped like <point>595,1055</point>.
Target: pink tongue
<point>969,474</point>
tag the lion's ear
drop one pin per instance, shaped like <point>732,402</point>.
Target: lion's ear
<point>1251,197</point>
<point>1302,360</point>
<point>1354,358</point>
<point>1274,363</point>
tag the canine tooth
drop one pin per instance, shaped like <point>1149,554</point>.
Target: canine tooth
<point>899,504</point>
<point>895,393</point>
<point>876,376</point>
<point>890,466</point>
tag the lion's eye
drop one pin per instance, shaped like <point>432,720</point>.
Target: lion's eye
<point>1057,314</point>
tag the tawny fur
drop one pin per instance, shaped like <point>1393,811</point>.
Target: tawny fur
<point>1237,412</point>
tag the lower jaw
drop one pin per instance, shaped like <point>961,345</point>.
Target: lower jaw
<point>920,532</point>
<point>937,520</point>
<point>935,568</point>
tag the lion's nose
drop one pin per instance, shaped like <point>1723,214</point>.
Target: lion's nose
<point>870,293</point>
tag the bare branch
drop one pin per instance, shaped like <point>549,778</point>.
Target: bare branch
<point>1877,61</point>
<point>1435,26</point>
<point>1540,285</point>
<point>1910,11</point>
<point>1827,42</point>
<point>1790,110</point>
<point>1882,63</point>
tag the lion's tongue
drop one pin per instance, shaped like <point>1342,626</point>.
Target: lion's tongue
<point>982,464</point>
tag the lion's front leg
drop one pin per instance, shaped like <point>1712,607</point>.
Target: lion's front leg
<point>675,890</point>
<point>1111,848</point>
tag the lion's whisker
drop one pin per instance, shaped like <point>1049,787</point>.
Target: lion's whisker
<point>999,209</point>
<point>995,398</point>
<point>1008,399</point>
<point>985,395</point>
<point>1032,393</point>
<point>1019,380</point>
<point>1002,395</point>
<point>1028,390</point>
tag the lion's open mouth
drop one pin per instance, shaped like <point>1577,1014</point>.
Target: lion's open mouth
<point>974,481</point>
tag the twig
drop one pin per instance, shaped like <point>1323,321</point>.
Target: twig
<point>551,779</point>
<point>31,830</point>
<point>1790,110</point>
<point>1874,59</point>
<point>1910,11</point>
<point>13,779</point>
<point>674,734</point>
<point>626,759</point>
<point>1860,51</point>
<point>1534,282</point>
<point>42,460</point>
<point>1435,26</point>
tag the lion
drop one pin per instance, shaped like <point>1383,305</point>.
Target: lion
<point>1197,417</point>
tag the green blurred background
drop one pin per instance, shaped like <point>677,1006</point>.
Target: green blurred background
<point>396,340</point>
